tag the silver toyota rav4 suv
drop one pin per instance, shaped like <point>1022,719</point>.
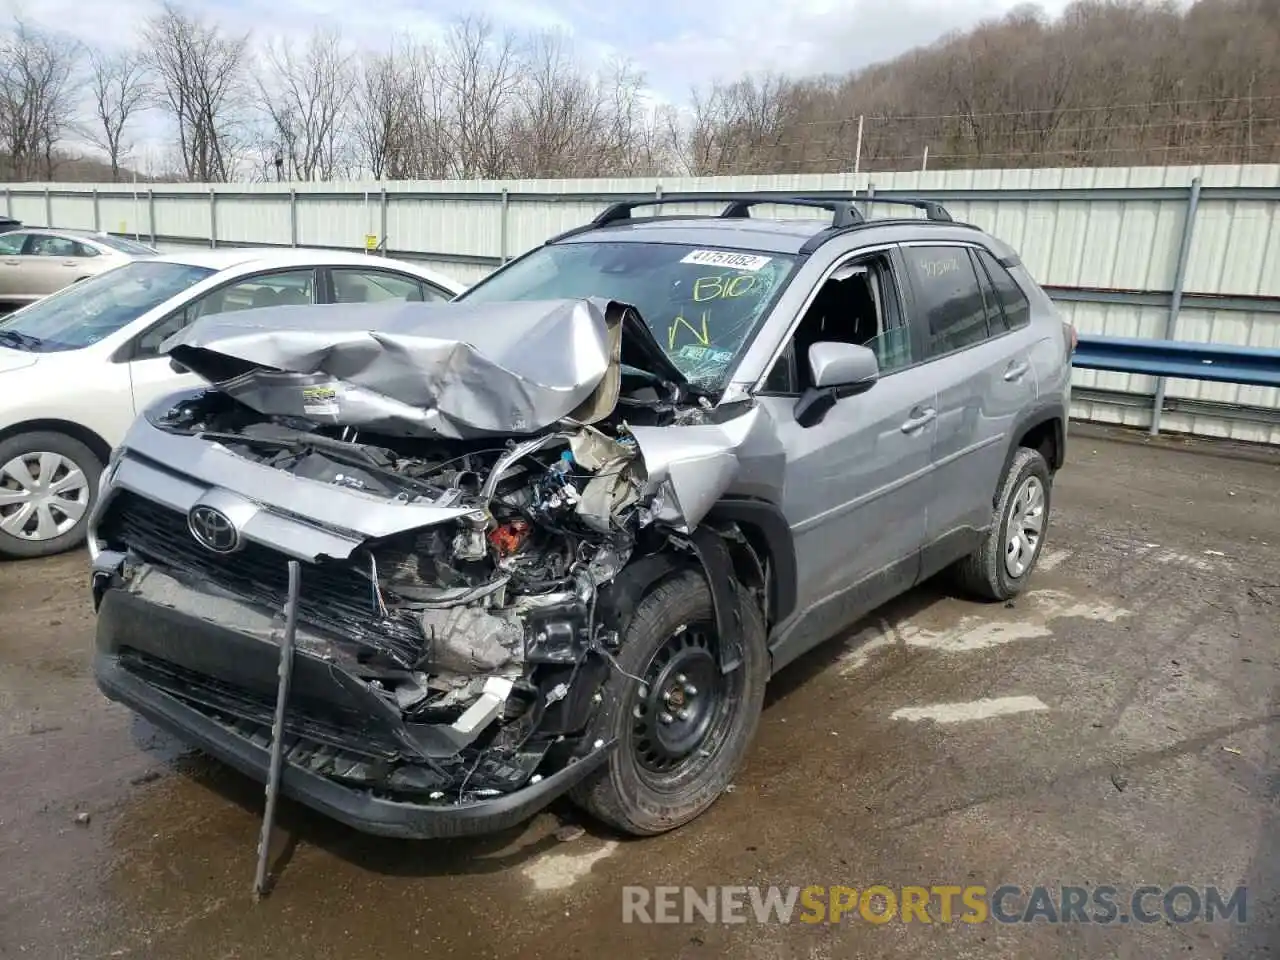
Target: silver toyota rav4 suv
<point>555,537</point>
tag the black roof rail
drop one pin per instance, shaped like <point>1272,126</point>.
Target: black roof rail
<point>933,210</point>
<point>830,233</point>
<point>845,214</point>
<point>738,205</point>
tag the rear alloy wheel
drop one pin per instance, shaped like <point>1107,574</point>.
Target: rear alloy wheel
<point>48,482</point>
<point>682,726</point>
<point>1001,567</point>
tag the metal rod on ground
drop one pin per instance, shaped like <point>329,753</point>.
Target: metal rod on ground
<point>1175,300</point>
<point>277,725</point>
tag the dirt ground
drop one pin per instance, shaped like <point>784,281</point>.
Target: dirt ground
<point>1143,748</point>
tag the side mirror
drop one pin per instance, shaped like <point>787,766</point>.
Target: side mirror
<point>843,365</point>
<point>837,370</point>
<point>176,367</point>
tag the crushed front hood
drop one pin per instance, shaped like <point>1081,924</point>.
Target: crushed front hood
<point>454,370</point>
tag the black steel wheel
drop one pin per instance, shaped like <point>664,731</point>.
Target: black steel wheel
<point>682,725</point>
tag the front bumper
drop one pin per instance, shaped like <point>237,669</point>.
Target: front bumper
<point>127,624</point>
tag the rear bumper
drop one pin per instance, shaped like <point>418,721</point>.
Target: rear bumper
<point>126,622</point>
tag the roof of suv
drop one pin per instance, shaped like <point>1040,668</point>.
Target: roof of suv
<point>737,230</point>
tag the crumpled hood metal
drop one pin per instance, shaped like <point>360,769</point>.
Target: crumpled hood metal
<point>450,370</point>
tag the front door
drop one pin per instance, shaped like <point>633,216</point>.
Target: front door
<point>855,491</point>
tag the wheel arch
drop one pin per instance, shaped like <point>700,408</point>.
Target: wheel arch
<point>77,431</point>
<point>1043,428</point>
<point>769,536</point>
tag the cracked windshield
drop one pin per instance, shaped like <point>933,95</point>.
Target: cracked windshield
<point>701,304</point>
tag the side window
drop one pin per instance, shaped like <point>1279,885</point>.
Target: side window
<point>371,286</point>
<point>949,301</point>
<point>11,244</point>
<point>857,304</point>
<point>44,246</point>
<point>1017,310</point>
<point>262,290</point>
<point>84,250</point>
<point>991,308</point>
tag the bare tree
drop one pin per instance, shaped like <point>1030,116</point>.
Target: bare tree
<point>380,111</point>
<point>478,73</point>
<point>200,77</point>
<point>37,97</point>
<point>306,95</point>
<point>120,88</point>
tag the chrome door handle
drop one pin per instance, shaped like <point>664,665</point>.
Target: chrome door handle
<point>1016,371</point>
<point>915,423</point>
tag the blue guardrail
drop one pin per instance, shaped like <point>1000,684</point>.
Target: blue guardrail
<point>1223,363</point>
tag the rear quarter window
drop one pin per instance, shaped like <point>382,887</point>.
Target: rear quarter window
<point>1017,310</point>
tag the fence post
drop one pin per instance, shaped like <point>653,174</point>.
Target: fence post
<point>97,216</point>
<point>151,213</point>
<point>293,217</point>
<point>1175,299</point>
<point>8,202</point>
<point>503,225</point>
<point>386,247</point>
<point>213,217</point>
<point>48,208</point>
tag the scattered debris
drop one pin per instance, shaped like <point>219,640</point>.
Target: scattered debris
<point>1232,750</point>
<point>570,832</point>
<point>1119,781</point>
<point>82,818</point>
<point>148,777</point>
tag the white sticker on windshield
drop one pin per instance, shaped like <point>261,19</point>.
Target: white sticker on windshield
<point>725,258</point>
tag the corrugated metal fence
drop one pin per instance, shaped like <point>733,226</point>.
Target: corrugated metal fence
<point>1105,241</point>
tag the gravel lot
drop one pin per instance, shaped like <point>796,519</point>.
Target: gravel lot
<point>1142,747</point>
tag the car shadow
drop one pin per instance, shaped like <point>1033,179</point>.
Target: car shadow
<point>298,824</point>
<point>792,678</point>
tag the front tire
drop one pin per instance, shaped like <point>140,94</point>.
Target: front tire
<point>48,484</point>
<point>683,733</point>
<point>1001,567</point>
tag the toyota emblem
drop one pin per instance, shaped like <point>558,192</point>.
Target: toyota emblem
<point>213,530</point>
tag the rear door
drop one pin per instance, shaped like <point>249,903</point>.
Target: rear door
<point>377,284</point>
<point>50,263</point>
<point>981,368</point>
<point>11,245</point>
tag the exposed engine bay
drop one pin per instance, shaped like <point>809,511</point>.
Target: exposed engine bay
<point>472,651</point>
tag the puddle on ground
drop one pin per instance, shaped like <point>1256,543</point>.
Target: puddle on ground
<point>560,871</point>
<point>1029,619</point>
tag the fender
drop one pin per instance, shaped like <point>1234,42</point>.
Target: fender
<point>766,519</point>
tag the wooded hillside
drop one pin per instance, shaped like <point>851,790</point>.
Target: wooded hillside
<point>1111,82</point>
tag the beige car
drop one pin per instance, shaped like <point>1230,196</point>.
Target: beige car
<point>35,262</point>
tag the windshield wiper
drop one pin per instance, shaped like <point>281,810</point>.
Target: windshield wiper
<point>23,341</point>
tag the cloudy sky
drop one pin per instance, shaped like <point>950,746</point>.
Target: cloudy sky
<point>677,43</point>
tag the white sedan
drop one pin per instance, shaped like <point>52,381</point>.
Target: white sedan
<point>77,367</point>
